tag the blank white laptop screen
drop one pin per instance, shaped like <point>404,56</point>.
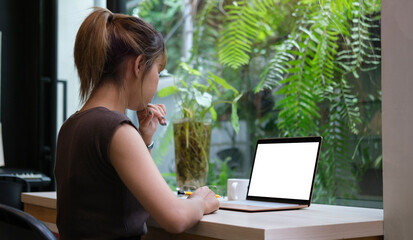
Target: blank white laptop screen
<point>284,170</point>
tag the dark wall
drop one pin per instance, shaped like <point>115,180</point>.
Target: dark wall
<point>116,6</point>
<point>28,83</point>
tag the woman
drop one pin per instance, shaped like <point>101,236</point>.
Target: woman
<point>107,182</point>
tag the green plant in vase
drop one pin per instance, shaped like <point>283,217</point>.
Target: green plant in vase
<point>197,97</point>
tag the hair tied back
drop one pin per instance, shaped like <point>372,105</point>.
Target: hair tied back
<point>111,16</point>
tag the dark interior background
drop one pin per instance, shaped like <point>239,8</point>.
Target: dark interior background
<point>28,83</point>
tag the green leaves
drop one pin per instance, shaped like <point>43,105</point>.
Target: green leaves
<point>234,118</point>
<point>222,83</point>
<point>203,99</point>
<point>360,52</point>
<point>190,70</point>
<point>278,67</point>
<point>164,92</point>
<point>198,96</point>
<point>331,42</point>
<point>240,30</point>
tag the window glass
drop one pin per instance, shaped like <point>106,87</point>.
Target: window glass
<point>303,68</point>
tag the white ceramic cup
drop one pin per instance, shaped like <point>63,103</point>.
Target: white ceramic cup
<point>237,188</point>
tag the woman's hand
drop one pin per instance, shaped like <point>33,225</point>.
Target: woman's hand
<point>208,197</point>
<point>149,119</point>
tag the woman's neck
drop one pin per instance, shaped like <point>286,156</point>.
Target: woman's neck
<point>108,96</point>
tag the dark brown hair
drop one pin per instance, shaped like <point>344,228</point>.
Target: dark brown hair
<point>103,43</point>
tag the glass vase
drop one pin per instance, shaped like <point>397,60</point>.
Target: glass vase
<point>192,145</point>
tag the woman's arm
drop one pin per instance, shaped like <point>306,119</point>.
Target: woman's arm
<point>134,164</point>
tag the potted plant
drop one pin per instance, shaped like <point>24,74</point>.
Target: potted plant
<point>196,98</point>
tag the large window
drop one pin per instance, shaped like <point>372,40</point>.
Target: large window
<point>304,67</point>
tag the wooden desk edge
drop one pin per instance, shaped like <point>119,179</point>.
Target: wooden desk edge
<point>44,199</point>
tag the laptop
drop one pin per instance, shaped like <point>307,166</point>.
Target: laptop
<point>282,175</point>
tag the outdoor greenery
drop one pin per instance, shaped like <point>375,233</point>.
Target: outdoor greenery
<point>197,95</point>
<point>166,17</point>
<point>306,67</point>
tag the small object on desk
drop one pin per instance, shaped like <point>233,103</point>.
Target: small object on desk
<point>180,192</point>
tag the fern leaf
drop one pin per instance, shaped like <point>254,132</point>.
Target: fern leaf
<point>240,31</point>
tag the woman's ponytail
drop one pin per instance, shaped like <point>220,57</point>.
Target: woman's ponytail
<point>90,51</point>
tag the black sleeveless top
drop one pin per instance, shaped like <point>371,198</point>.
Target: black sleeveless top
<point>92,200</point>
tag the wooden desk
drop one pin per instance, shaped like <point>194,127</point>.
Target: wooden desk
<point>315,222</point>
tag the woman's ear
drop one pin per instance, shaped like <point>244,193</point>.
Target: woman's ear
<point>139,65</point>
